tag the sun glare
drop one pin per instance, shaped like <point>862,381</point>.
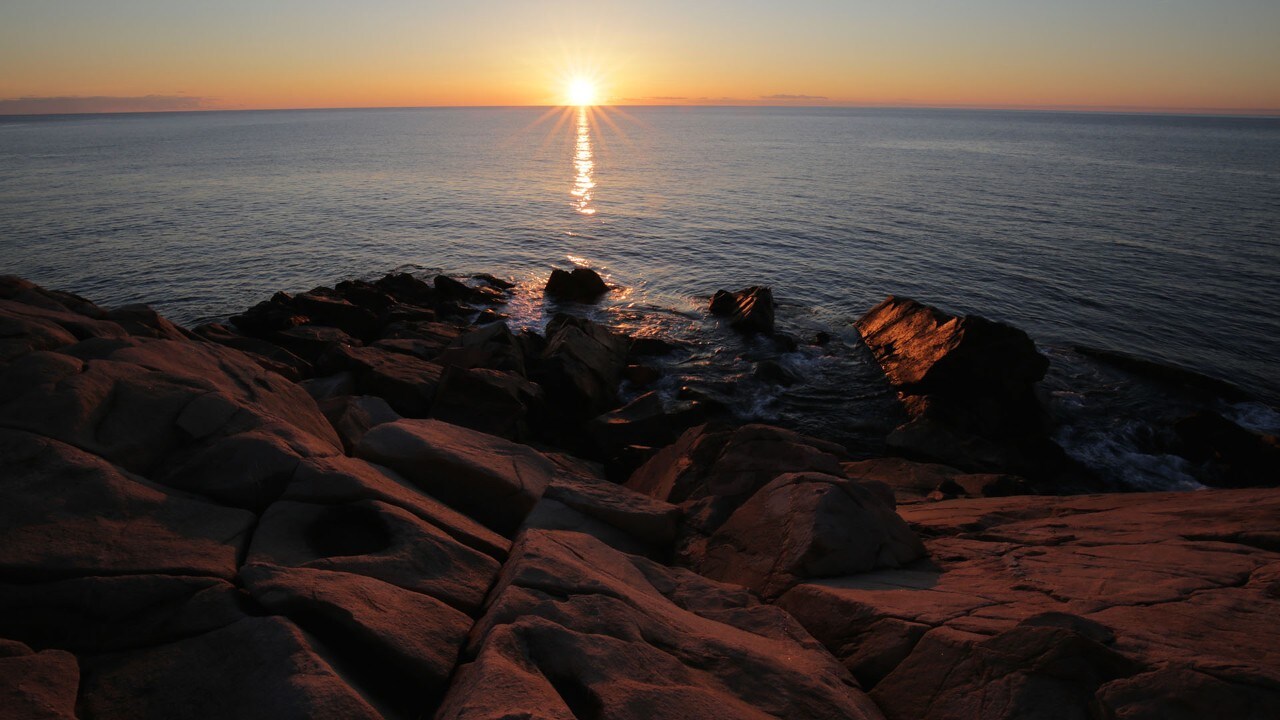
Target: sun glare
<point>582,92</point>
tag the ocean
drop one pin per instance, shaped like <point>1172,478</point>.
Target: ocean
<point>1158,236</point>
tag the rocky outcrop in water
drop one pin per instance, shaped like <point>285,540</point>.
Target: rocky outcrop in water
<point>582,285</point>
<point>749,310</point>
<point>357,504</point>
<point>968,384</point>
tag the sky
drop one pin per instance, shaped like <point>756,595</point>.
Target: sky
<point>137,55</point>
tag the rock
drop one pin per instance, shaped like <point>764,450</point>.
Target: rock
<point>1235,457</point>
<point>330,387</point>
<point>267,354</point>
<point>376,540</point>
<point>25,292</point>
<point>491,401</point>
<point>493,480</point>
<point>310,342</point>
<point>493,281</point>
<point>142,321</point>
<point>37,684</point>
<point>333,310</point>
<point>352,417</point>
<point>969,385</point>
<point>583,285</point>
<point>270,316</point>
<point>365,294</point>
<point>1101,604</point>
<point>341,480</point>
<point>803,526</point>
<point>924,350</point>
<point>652,522</point>
<point>407,289</point>
<point>405,382</point>
<point>450,289</point>
<point>643,421</point>
<point>773,373</point>
<point>67,513</point>
<point>575,629</point>
<point>1178,378</point>
<point>915,481</point>
<point>580,369</point>
<point>650,346</point>
<point>750,310</point>
<point>1027,671</point>
<point>492,347</point>
<point>641,375</point>
<point>255,668</point>
<point>116,612</point>
<point>410,640</point>
<point>26,328</point>
<point>706,462</point>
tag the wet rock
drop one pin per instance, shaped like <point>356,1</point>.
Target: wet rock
<point>641,375</point>
<point>1173,376</point>
<point>37,684</point>
<point>749,310</point>
<point>494,281</point>
<point>582,285</point>
<point>353,416</point>
<point>376,540</point>
<point>1235,457</point>
<point>575,629</point>
<point>650,346</point>
<point>256,668</point>
<point>580,368</point>
<point>803,526</point>
<point>491,401</point>
<point>450,289</point>
<point>68,513</point>
<point>773,372</point>
<point>493,480</point>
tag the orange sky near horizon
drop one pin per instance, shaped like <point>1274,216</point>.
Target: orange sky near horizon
<point>1138,54</point>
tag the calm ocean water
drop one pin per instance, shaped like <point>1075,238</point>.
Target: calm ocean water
<point>1158,236</point>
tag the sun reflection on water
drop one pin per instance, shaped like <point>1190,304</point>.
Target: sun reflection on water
<point>583,166</point>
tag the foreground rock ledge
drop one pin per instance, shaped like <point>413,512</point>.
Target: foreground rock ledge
<point>186,533</point>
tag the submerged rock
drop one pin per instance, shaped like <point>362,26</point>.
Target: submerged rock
<point>749,310</point>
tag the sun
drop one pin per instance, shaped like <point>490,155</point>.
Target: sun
<point>582,91</point>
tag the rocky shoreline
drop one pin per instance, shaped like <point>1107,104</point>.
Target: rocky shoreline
<point>376,500</point>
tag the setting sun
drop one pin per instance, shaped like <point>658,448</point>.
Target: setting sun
<point>582,92</point>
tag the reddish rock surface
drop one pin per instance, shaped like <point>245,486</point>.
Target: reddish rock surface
<point>1156,598</point>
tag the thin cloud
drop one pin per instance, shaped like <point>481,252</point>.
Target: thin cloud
<point>785,96</point>
<point>72,104</point>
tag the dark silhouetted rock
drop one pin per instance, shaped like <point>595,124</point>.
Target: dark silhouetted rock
<point>270,316</point>
<point>258,668</point>
<point>37,685</point>
<point>803,526</point>
<point>749,310</point>
<point>356,321</point>
<point>310,342</point>
<point>493,480</point>
<point>408,289</point>
<point>1235,457</point>
<point>353,416</point>
<point>267,354</point>
<point>491,401</point>
<point>450,289</point>
<point>492,347</point>
<point>641,375</point>
<point>580,368</point>
<point>773,372</point>
<point>494,281</point>
<point>582,285</point>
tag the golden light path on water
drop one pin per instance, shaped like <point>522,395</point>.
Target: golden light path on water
<point>583,166</point>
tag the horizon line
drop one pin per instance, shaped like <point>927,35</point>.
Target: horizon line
<point>1257,113</point>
